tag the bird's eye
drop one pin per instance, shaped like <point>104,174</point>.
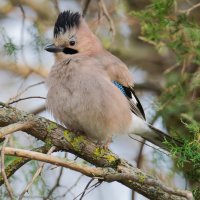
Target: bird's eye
<point>72,43</point>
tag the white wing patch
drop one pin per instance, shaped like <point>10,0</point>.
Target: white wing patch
<point>138,126</point>
<point>134,99</point>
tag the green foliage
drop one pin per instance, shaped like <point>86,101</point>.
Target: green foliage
<point>196,192</point>
<point>188,155</point>
<point>9,47</point>
<point>195,82</point>
<point>189,152</point>
<point>163,25</point>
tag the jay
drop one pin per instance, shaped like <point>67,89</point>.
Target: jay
<point>89,89</point>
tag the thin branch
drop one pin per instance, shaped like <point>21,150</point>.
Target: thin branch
<point>86,187</point>
<point>26,89</point>
<point>19,126</point>
<point>38,172</point>
<point>139,162</point>
<point>85,7</point>
<point>139,158</point>
<point>188,11</point>
<point>57,184</point>
<point>91,188</point>
<point>84,169</point>
<point>69,190</point>
<point>22,99</point>
<point>105,12</point>
<point>143,143</point>
<point>22,29</point>
<point>75,184</point>
<point>23,70</point>
<point>56,4</point>
<point>7,184</point>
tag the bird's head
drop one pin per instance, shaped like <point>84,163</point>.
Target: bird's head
<point>72,36</point>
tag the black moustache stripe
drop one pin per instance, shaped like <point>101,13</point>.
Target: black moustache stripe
<point>69,51</point>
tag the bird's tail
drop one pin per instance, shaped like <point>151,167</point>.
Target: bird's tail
<point>160,138</point>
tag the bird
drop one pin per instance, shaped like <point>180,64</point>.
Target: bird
<point>90,90</point>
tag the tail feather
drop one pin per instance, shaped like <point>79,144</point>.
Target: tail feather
<point>150,133</point>
<point>158,138</point>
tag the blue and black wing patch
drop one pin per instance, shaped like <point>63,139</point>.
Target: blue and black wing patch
<point>135,104</point>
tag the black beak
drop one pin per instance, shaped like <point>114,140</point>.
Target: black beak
<point>53,48</point>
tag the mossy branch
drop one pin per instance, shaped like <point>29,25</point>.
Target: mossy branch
<point>55,135</point>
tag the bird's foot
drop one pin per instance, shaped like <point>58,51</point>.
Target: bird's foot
<point>104,145</point>
<point>76,131</point>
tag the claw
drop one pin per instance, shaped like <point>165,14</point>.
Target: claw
<point>104,145</point>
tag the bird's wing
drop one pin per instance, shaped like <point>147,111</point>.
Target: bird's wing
<point>135,104</point>
<point>156,136</point>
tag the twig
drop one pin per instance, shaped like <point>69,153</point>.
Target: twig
<point>86,187</point>
<point>188,11</point>
<point>56,184</point>
<point>56,4</point>
<point>69,190</point>
<point>7,184</point>
<point>38,172</point>
<point>171,68</point>
<point>22,29</point>
<point>22,99</point>
<point>139,161</point>
<point>92,187</point>
<point>147,40</point>
<point>19,126</point>
<point>143,142</point>
<point>107,15</point>
<point>86,6</point>
<point>75,184</point>
<point>23,70</point>
<point>139,158</point>
<point>26,89</point>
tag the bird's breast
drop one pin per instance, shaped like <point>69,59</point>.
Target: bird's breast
<point>89,102</point>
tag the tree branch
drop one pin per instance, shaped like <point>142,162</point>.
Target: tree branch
<point>19,162</point>
<point>66,140</point>
<point>7,184</point>
<point>57,184</point>
<point>106,174</point>
<point>105,12</point>
<point>188,11</point>
<point>85,7</point>
<point>23,70</point>
<point>13,128</point>
<point>37,173</point>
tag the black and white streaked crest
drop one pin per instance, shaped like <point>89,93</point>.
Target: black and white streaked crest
<point>66,21</point>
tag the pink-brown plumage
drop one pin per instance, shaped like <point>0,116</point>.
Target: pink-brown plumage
<point>81,93</point>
